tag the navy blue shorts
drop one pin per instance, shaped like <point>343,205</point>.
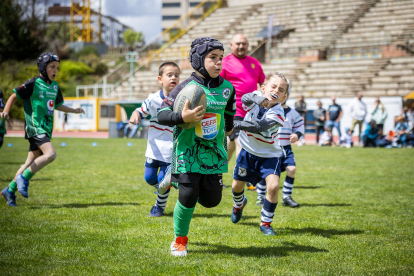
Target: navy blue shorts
<point>252,168</point>
<point>152,163</point>
<point>288,159</point>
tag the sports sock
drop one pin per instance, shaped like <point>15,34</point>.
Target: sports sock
<point>162,199</point>
<point>268,211</point>
<point>288,187</point>
<point>238,199</point>
<point>12,187</point>
<point>261,189</point>
<point>27,174</point>
<point>182,219</point>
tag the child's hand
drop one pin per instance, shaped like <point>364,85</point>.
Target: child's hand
<point>264,103</point>
<point>192,116</point>
<point>4,115</point>
<point>79,110</point>
<point>135,118</point>
<point>293,138</point>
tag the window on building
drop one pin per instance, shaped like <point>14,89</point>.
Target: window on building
<point>193,4</point>
<point>88,111</point>
<point>170,17</point>
<point>171,5</point>
<point>107,111</point>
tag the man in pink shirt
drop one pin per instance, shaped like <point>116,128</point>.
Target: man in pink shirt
<point>244,72</point>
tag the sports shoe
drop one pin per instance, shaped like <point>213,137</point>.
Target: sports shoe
<point>237,213</point>
<point>165,183</point>
<point>22,185</point>
<point>179,247</point>
<point>260,201</point>
<point>290,202</point>
<point>156,211</point>
<point>10,197</point>
<point>267,230</point>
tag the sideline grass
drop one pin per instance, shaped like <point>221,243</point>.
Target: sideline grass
<point>87,215</point>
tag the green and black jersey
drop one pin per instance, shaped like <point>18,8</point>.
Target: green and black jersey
<point>39,102</point>
<point>203,149</point>
<point>2,126</point>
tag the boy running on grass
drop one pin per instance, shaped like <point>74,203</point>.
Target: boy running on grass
<point>160,137</point>
<point>293,128</point>
<point>260,157</point>
<point>41,95</point>
<point>199,155</point>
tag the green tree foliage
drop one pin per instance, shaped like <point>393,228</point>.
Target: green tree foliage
<point>132,37</point>
<point>20,39</point>
<point>57,36</point>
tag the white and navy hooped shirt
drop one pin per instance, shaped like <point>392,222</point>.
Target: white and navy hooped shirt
<point>160,137</point>
<point>293,123</point>
<point>264,144</point>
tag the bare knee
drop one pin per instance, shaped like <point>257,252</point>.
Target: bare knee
<point>51,156</point>
<point>291,171</point>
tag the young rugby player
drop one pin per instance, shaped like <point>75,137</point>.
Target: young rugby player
<point>160,137</point>
<point>260,157</point>
<point>199,155</point>
<point>293,128</point>
<point>41,95</point>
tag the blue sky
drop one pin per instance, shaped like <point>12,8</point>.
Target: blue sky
<point>141,15</point>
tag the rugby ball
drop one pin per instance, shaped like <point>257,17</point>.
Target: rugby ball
<point>196,95</point>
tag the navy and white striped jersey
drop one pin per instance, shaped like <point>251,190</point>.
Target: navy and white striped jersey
<point>293,123</point>
<point>160,137</point>
<point>265,143</point>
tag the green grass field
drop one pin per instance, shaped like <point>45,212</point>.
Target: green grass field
<point>87,215</point>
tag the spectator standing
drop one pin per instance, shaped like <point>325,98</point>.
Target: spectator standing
<point>333,116</point>
<point>358,110</point>
<point>244,72</point>
<point>379,114</point>
<point>320,116</point>
<point>300,107</point>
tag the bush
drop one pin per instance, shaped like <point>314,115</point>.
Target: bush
<point>101,68</point>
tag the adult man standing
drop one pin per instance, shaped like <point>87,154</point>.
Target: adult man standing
<point>320,116</point>
<point>244,72</point>
<point>300,107</point>
<point>333,116</point>
<point>358,111</point>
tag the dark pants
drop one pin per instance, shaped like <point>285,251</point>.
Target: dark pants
<point>369,143</point>
<point>1,139</point>
<point>318,130</point>
<point>191,193</point>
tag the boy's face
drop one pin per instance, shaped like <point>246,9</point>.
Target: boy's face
<point>275,90</point>
<point>213,64</point>
<point>170,78</point>
<point>52,70</point>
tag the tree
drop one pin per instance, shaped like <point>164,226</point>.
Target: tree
<point>132,37</point>
<point>19,39</point>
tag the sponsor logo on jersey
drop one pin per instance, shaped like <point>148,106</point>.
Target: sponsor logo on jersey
<point>209,125</point>
<point>55,87</point>
<point>213,93</point>
<point>50,107</point>
<point>242,171</point>
<point>226,93</point>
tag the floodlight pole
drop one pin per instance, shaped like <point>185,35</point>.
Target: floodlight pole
<point>131,57</point>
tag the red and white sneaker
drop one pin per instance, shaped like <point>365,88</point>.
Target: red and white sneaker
<point>179,247</point>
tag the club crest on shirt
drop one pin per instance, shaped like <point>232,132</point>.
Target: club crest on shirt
<point>55,87</point>
<point>242,171</point>
<point>226,93</point>
<point>149,160</point>
<point>253,65</point>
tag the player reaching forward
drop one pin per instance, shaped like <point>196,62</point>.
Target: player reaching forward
<point>293,128</point>
<point>41,95</point>
<point>160,137</point>
<point>260,155</point>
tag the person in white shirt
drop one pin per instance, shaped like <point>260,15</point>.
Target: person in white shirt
<point>293,128</point>
<point>326,138</point>
<point>260,157</point>
<point>160,137</point>
<point>346,139</point>
<point>358,111</point>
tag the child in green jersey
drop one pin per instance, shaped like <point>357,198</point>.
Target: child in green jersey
<point>41,95</point>
<point>199,156</point>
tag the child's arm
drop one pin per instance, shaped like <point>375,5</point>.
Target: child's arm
<point>249,100</point>
<point>272,118</point>
<point>9,104</point>
<point>67,109</point>
<point>298,128</point>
